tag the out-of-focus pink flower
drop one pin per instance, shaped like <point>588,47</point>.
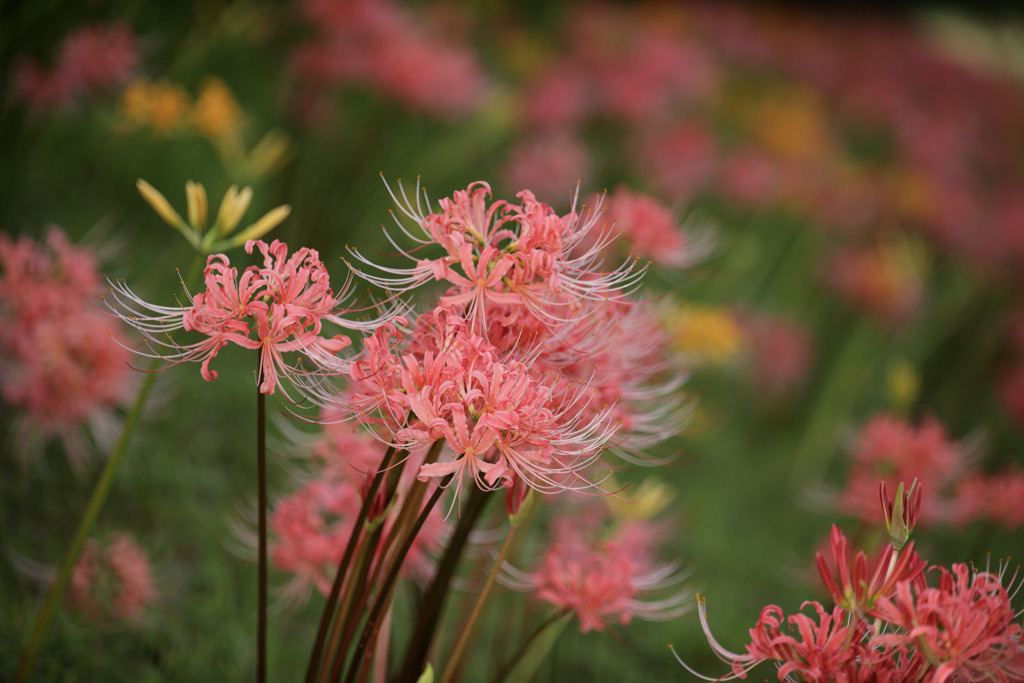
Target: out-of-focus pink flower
<point>780,353</point>
<point>995,498</point>
<point>559,99</point>
<point>886,281</point>
<point>381,45</point>
<point>113,581</point>
<point>639,65</point>
<point>1010,391</point>
<point>92,60</point>
<point>679,161</point>
<point>549,163</point>
<point>750,178</point>
<point>602,574</point>
<point>892,450</point>
<point>60,365</point>
<point>650,230</point>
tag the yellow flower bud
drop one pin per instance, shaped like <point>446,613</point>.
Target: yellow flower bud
<point>159,204</point>
<point>195,193</point>
<point>232,208</point>
<point>268,222</point>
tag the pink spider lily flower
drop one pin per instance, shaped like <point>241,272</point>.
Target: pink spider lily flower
<point>651,231</point>
<point>504,254</point>
<point>892,450</point>
<point>112,582</point>
<point>604,576</point>
<point>964,627</point>
<point>498,420</point>
<point>277,308</point>
<point>60,367</point>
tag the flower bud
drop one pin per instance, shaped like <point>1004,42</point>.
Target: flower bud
<point>900,512</point>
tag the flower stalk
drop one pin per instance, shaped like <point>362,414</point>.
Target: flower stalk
<point>451,672</point>
<point>433,600</point>
<point>261,467</point>
<point>92,511</point>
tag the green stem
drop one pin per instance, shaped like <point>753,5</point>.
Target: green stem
<point>558,617</point>
<point>261,466</point>
<point>92,511</point>
<point>455,660</point>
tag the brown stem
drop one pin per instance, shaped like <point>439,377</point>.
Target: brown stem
<point>332,600</point>
<point>261,466</point>
<point>384,594</point>
<point>433,600</point>
<point>455,660</point>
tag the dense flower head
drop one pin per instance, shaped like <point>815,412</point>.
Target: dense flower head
<point>891,628</point>
<point>277,308</point>
<point>525,305</point>
<point>442,381</point>
<point>619,356</point>
<point>112,581</point>
<point>966,626</point>
<point>59,364</point>
<point>964,629</point>
<point>310,525</point>
<point>503,253</point>
<point>601,572</point>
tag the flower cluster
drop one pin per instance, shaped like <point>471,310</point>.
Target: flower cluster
<point>382,46</point>
<point>112,581</point>
<point>59,365</point>
<point>890,449</point>
<point>277,308</point>
<point>601,570</point>
<point>501,422</point>
<point>534,358</point>
<point>892,627</point>
<point>953,488</point>
<point>91,61</point>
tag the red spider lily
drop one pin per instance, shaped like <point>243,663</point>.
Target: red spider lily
<point>964,626</point>
<point>855,592</point>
